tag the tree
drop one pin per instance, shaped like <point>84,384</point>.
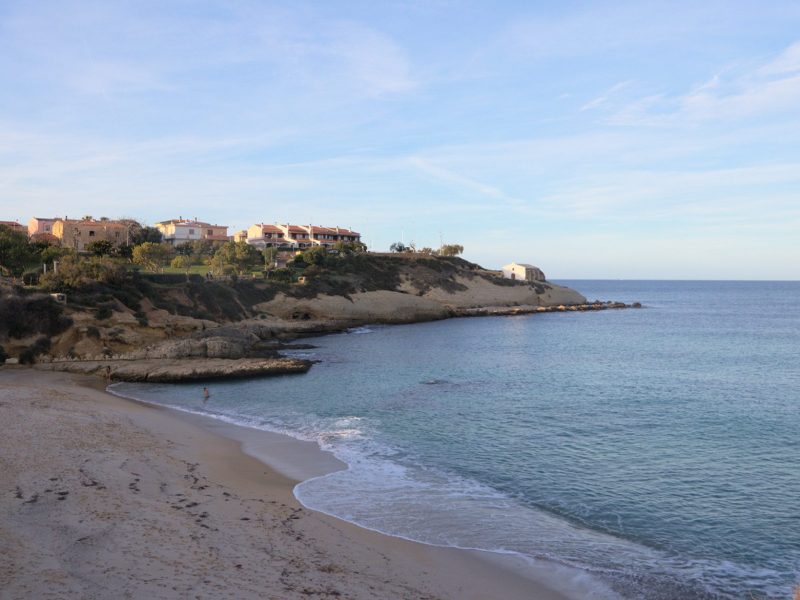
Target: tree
<point>146,234</point>
<point>184,249</point>
<point>315,255</point>
<point>350,247</point>
<point>202,248</point>
<point>136,233</point>
<point>269,257</point>
<point>52,253</point>
<point>74,273</point>
<point>451,250</point>
<point>240,255</point>
<point>182,262</point>
<point>15,250</point>
<point>398,247</point>
<point>124,251</point>
<point>151,255</point>
<point>100,248</point>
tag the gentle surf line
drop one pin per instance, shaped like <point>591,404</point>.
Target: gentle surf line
<point>575,582</point>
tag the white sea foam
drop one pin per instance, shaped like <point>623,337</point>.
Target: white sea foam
<point>360,330</point>
<point>421,505</point>
<point>384,490</point>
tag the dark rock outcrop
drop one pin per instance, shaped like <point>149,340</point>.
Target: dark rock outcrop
<point>180,370</point>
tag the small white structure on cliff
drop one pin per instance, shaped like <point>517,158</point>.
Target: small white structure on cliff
<point>523,272</point>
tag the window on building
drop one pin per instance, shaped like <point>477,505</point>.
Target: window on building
<point>91,233</point>
<point>191,232</point>
<point>210,232</point>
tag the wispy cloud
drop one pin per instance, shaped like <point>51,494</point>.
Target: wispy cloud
<point>626,119</point>
<point>451,177</point>
<point>768,89</point>
<point>604,97</point>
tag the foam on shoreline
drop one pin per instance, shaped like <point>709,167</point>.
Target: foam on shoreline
<point>305,461</point>
<point>150,491</point>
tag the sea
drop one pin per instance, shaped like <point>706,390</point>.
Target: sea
<point>640,453</point>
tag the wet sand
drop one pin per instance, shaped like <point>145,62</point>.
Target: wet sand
<point>104,497</point>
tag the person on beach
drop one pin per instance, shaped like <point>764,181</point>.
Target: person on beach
<point>206,394</point>
<point>108,373</point>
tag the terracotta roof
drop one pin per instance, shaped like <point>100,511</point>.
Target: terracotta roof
<point>314,229</point>
<point>98,223</point>
<point>189,223</point>
<point>10,223</point>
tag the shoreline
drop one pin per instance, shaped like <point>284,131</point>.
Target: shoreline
<point>328,557</point>
<point>309,461</point>
<point>198,369</point>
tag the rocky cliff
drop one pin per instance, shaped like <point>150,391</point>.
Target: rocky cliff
<point>176,318</point>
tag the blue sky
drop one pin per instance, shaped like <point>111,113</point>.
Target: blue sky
<point>594,139</point>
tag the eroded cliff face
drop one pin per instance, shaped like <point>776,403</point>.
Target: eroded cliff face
<point>406,304</point>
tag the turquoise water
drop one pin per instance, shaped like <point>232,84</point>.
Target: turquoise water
<point>654,451</point>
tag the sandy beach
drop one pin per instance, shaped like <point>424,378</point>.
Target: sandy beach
<point>104,497</point>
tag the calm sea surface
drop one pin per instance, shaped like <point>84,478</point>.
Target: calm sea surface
<point>651,453</point>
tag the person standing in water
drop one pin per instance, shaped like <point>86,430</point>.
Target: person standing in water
<point>206,394</point>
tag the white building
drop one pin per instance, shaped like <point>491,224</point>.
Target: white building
<point>180,231</point>
<point>523,272</point>
<point>263,235</point>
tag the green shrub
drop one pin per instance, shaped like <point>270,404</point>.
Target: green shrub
<point>75,273</point>
<point>28,356</point>
<point>21,316</point>
<point>104,311</point>
<point>280,275</point>
<point>30,277</point>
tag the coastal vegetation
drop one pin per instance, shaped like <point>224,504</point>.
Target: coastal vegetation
<point>223,300</point>
<point>444,250</point>
<point>112,305</point>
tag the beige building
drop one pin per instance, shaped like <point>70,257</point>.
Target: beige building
<point>41,225</point>
<point>298,236</point>
<point>179,231</point>
<point>523,272</point>
<point>77,234</point>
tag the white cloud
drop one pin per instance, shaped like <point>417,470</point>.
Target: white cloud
<point>767,90</point>
<point>604,97</point>
<point>787,62</point>
<point>451,177</point>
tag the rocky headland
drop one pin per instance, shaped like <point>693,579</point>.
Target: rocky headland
<point>180,328</point>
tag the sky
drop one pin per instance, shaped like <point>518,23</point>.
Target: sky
<point>646,140</point>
